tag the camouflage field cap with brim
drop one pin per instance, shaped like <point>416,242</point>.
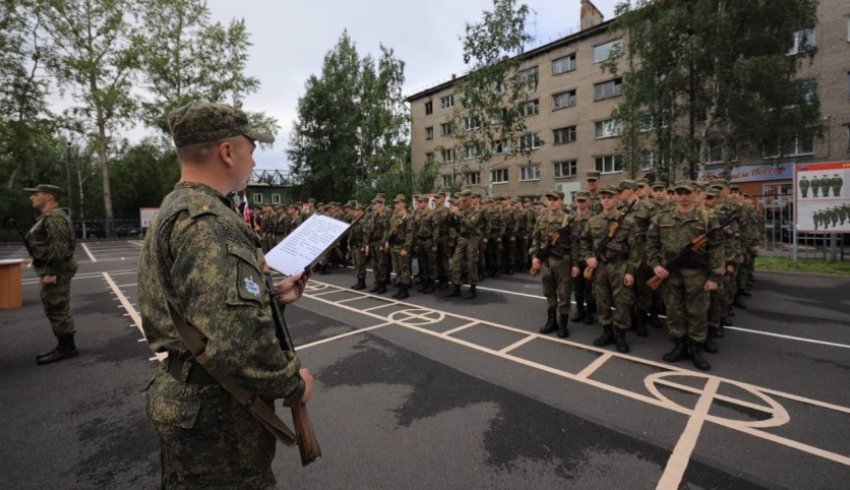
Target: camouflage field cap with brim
<point>659,185</point>
<point>422,198</point>
<point>555,194</point>
<point>378,200</point>
<point>54,190</point>
<point>592,175</point>
<point>628,184</point>
<point>609,190</point>
<point>643,181</point>
<point>201,122</point>
<point>582,196</point>
<point>713,191</point>
<point>687,185</point>
<point>735,188</point>
<point>400,198</point>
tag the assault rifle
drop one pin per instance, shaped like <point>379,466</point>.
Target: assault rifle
<point>688,254</point>
<point>26,242</point>
<point>308,444</point>
<point>599,253</point>
<point>553,240</point>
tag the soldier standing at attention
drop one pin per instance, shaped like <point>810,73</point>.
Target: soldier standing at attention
<point>442,239</point>
<point>592,179</point>
<point>687,289</point>
<point>398,240</point>
<point>426,244</point>
<point>510,216</point>
<point>582,287</point>
<point>642,211</point>
<point>615,269</point>
<point>357,243</point>
<point>53,242</point>
<point>202,266</point>
<point>470,222</point>
<point>376,229</point>
<point>552,252</point>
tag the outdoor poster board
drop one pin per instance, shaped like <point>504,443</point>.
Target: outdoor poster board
<point>822,197</point>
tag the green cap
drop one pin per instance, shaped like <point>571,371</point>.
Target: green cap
<point>713,191</point>
<point>628,184</point>
<point>464,193</point>
<point>555,194</point>
<point>609,189</point>
<point>400,198</point>
<point>684,184</point>
<point>643,181</point>
<point>422,198</point>
<point>200,122</point>
<point>55,190</point>
<point>659,184</point>
<point>592,175</point>
<point>582,196</point>
<point>378,199</point>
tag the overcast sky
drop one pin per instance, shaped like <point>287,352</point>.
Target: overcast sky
<point>291,37</point>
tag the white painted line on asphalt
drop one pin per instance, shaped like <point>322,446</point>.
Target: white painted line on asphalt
<point>136,243</point>
<point>514,293</point>
<point>517,344</point>
<point>729,399</point>
<point>595,365</point>
<point>458,329</point>
<point>379,306</point>
<point>128,285</point>
<point>343,335</point>
<point>678,462</point>
<point>789,337</point>
<point>88,252</point>
<point>137,319</point>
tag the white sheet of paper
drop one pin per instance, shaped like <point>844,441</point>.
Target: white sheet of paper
<point>305,244</point>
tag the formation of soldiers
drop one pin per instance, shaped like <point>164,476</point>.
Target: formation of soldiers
<point>821,184</point>
<point>602,250</point>
<point>831,217</point>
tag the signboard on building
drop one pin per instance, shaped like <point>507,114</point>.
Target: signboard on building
<point>146,215</point>
<point>758,173</point>
<point>822,197</point>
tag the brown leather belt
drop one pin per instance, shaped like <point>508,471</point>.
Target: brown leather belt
<point>197,374</point>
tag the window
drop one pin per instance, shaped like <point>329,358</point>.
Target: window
<point>564,100</point>
<point>473,178</point>
<point>258,198</point>
<point>529,172</point>
<point>429,108</point>
<point>645,123</point>
<point>429,158</point>
<point>563,136</point>
<point>608,128</point>
<point>649,162</point>
<point>448,180</point>
<point>470,151</point>
<point>500,148</point>
<point>276,198</point>
<point>429,133</point>
<point>563,65</point>
<point>714,151</point>
<point>528,76</point>
<point>499,176</point>
<point>606,90</point>
<point>565,168</point>
<point>447,101</point>
<point>530,108</point>
<point>609,164</point>
<point>446,129</point>
<point>529,141</point>
<point>448,154</point>
<point>470,123</point>
<point>603,51</point>
<point>809,89</point>
<point>798,146</point>
<point>803,41</point>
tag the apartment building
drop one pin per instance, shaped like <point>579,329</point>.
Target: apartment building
<point>568,115</point>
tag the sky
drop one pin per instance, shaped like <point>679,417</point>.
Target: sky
<point>291,37</point>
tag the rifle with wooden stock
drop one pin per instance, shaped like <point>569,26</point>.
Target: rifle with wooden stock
<point>688,254</point>
<point>599,253</point>
<point>553,240</point>
<point>308,444</point>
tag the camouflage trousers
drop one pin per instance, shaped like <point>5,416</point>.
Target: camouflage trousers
<point>521,252</point>
<point>495,250</point>
<point>721,299</point>
<point>380,262</point>
<point>643,293</point>
<point>557,283</point>
<point>509,254</point>
<point>583,289</point>
<point>465,256</point>
<point>206,438</point>
<point>401,265</point>
<point>610,291</point>
<point>426,259</point>
<point>443,258</point>
<point>56,299</point>
<point>687,304</point>
<point>358,256</point>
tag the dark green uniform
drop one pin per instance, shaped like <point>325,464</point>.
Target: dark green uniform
<point>470,222</point>
<point>444,241</point>
<point>399,236</point>
<point>553,245</point>
<point>426,236</point>
<point>376,229</point>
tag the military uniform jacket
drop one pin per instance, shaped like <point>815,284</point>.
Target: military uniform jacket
<point>423,223</point>
<point>200,257</point>
<point>282,226</point>
<point>510,217</point>
<point>378,225</point>
<point>53,243</point>
<point>495,222</point>
<point>470,222</point>
<point>400,231</point>
<point>442,222</point>
<point>672,231</point>
<point>551,238</point>
<point>358,234</point>
<point>623,246</point>
<point>577,230</point>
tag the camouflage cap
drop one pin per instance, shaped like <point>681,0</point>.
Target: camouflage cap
<point>312,200</point>
<point>400,198</point>
<point>422,198</point>
<point>720,181</point>
<point>378,199</point>
<point>556,194</point>
<point>628,184</point>
<point>581,196</point>
<point>687,185</point>
<point>700,186</point>
<point>592,175</point>
<point>713,191</point>
<point>735,188</point>
<point>475,194</point>
<point>610,190</point>
<point>643,181</point>
<point>658,184</point>
<point>464,193</point>
<point>200,122</point>
<point>525,199</point>
<point>54,190</point>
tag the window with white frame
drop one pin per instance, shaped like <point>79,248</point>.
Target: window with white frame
<point>500,147</point>
<point>446,129</point>
<point>563,65</point>
<point>470,151</point>
<point>258,198</point>
<point>562,136</point>
<point>447,180</point>
<point>797,146</point>
<point>607,90</point>
<point>804,40</point>
<point>473,178</point>
<point>471,123</point>
<point>429,133</point>
<point>564,168</point>
<point>650,160</point>
<point>528,76</point>
<point>608,128</point>
<point>530,108</point>
<point>603,51</point>
<point>609,164</point>
<point>529,172</point>
<point>276,198</point>
<point>809,90</point>
<point>447,101</point>
<point>529,141</point>
<point>499,176</point>
<point>429,108</point>
<point>563,100</point>
<point>448,154</point>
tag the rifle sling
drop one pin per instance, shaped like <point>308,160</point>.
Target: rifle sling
<point>257,406</point>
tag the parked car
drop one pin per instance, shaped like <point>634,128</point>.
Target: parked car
<point>128,230</point>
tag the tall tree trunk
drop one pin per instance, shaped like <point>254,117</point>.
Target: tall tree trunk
<point>104,167</point>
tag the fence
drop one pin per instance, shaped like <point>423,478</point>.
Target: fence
<point>778,212</point>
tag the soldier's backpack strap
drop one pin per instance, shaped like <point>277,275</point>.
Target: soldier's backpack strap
<point>257,406</point>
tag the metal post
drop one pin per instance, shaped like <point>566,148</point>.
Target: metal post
<point>833,246</point>
<point>794,251</point>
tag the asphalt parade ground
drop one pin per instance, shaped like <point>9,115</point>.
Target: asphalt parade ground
<point>449,393</point>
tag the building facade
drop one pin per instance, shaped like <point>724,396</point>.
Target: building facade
<point>568,115</point>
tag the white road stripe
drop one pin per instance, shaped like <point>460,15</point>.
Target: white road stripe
<point>343,335</point>
<point>137,319</point>
<point>88,252</point>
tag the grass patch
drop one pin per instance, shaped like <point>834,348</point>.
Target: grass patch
<point>803,265</point>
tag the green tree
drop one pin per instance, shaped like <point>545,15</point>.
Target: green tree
<point>144,174</point>
<point>490,122</point>
<point>714,72</point>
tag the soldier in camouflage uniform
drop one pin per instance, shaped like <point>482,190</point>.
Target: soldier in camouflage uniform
<point>525,225</point>
<point>553,253</point>
<point>510,216</point>
<point>375,231</point>
<point>443,240</point>
<point>729,241</point>
<point>202,263</point>
<point>615,267</point>
<point>495,247</point>
<point>687,288</point>
<point>427,235</point>
<point>398,240</point>
<point>642,212</point>
<point>583,288</point>
<point>471,226</point>
<point>592,179</point>
<point>53,242</point>
<point>357,243</point>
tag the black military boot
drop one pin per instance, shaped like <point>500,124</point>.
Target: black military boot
<point>471,293</point>
<point>695,353</point>
<point>606,338</point>
<point>654,321</point>
<point>454,292</point>
<point>376,287</point>
<point>382,288</point>
<point>551,323</point>
<point>709,344</point>
<point>361,284</point>
<point>739,302</point>
<point>588,314</point>
<point>65,350</point>
<point>563,325</point>
<point>443,284</point>
<point>731,312</point>
<point>721,332</point>
<point>620,339</point>
<point>48,353</point>
<point>679,352</point>
<point>402,292</point>
<point>429,287</point>
<point>579,316</point>
<point>640,324</point>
